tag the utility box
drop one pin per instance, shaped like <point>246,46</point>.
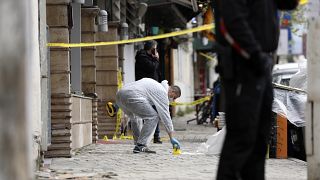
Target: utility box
<point>278,146</point>
<point>282,140</point>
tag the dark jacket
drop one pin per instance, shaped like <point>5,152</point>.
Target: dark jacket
<point>253,24</point>
<point>147,66</point>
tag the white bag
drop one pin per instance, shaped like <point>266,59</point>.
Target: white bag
<point>214,143</point>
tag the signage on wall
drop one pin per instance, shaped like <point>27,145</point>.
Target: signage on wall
<point>283,42</point>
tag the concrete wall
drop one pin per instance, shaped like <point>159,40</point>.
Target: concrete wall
<point>81,123</point>
<point>128,66</point>
<point>34,79</point>
<point>183,72</point>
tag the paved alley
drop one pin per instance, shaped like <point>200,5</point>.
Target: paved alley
<point>115,160</point>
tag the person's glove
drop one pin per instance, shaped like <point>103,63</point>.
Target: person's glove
<point>175,143</point>
<point>261,63</point>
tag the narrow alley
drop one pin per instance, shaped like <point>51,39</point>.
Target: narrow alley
<point>115,160</point>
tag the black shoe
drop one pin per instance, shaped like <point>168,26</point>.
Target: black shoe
<point>139,148</point>
<point>112,109</point>
<point>157,141</point>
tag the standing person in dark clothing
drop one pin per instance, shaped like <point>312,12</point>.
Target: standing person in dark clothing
<point>247,33</point>
<point>148,66</point>
<point>147,62</point>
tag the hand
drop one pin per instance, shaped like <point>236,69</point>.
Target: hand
<point>155,54</point>
<point>262,63</point>
<point>175,142</point>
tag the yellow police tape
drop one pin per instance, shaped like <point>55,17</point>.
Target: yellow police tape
<point>199,101</point>
<point>207,56</point>
<point>119,74</point>
<point>302,2</point>
<point>119,113</point>
<point>161,36</point>
<point>118,123</point>
<point>122,137</point>
<point>105,138</point>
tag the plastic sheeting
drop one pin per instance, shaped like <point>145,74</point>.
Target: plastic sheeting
<point>291,104</point>
<point>214,143</point>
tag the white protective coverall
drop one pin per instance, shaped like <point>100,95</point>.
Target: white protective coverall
<point>136,100</point>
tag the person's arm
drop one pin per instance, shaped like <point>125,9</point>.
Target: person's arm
<point>164,114</point>
<point>161,102</point>
<point>146,63</point>
<point>287,4</point>
<point>234,16</point>
<point>170,134</point>
<point>235,26</point>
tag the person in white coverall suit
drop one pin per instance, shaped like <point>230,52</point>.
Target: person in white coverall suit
<point>138,99</point>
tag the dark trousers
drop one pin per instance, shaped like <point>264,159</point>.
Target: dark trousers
<point>248,103</point>
<point>157,132</point>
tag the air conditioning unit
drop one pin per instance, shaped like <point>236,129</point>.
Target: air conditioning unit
<point>78,1</point>
<point>88,3</point>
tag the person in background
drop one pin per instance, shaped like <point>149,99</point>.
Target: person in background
<point>148,66</point>
<point>247,33</point>
<point>137,99</point>
<point>216,100</point>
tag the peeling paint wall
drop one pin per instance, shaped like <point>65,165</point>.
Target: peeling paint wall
<point>33,78</point>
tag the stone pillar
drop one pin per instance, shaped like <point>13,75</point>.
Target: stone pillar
<point>88,61</point>
<point>107,80</point>
<point>57,20</point>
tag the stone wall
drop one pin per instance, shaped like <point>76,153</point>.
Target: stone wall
<point>81,122</point>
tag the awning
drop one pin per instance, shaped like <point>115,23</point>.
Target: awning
<point>170,13</point>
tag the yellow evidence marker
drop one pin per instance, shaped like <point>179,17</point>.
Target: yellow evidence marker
<point>176,150</point>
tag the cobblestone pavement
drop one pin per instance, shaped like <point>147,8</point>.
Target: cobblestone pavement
<point>115,160</point>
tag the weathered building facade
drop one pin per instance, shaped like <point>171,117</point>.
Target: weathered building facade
<point>84,79</point>
<point>71,85</point>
